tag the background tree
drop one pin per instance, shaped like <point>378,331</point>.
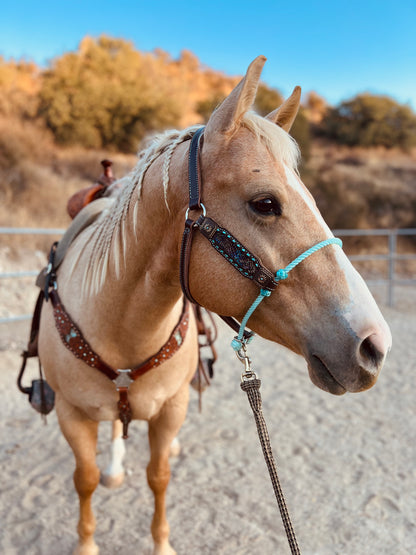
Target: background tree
<point>267,99</point>
<point>301,132</point>
<point>207,106</point>
<point>106,94</point>
<point>315,107</point>
<point>19,87</point>
<point>369,120</point>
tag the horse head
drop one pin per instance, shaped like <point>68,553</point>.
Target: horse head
<point>323,310</point>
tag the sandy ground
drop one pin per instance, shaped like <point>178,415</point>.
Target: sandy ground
<point>347,464</point>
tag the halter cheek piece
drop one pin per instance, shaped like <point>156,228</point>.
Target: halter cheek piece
<point>231,249</point>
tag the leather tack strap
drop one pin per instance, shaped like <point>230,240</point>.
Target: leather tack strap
<point>191,225</point>
<point>171,346</point>
<point>186,246</point>
<point>193,174</point>
<point>234,252</point>
<point>235,326</point>
<point>75,342</point>
<point>124,409</point>
<point>194,204</point>
<point>32,348</point>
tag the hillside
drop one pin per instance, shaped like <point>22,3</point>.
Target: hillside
<point>363,188</point>
<point>353,187</point>
<point>57,123</point>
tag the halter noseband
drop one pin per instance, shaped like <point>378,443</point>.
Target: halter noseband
<point>231,249</point>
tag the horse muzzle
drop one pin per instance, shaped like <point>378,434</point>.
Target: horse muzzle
<point>352,369</point>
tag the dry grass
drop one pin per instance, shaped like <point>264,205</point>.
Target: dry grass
<point>37,178</point>
<point>363,188</point>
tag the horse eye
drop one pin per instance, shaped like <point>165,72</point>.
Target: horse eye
<point>267,206</point>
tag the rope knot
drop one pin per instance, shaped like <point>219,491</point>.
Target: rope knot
<point>236,344</point>
<point>265,292</point>
<point>281,274</point>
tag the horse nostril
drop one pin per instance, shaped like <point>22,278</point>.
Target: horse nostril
<point>370,353</point>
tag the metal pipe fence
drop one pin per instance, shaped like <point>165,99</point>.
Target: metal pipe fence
<point>391,257</point>
<point>28,273</point>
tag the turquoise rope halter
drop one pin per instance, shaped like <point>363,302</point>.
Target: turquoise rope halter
<point>281,274</point>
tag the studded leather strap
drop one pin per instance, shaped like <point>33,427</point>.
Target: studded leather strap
<point>235,253</point>
<point>75,342</point>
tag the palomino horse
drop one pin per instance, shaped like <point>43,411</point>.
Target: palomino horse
<point>120,283</point>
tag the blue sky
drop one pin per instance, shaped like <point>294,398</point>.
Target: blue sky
<point>337,48</point>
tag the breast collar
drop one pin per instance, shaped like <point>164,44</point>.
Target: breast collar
<point>73,339</point>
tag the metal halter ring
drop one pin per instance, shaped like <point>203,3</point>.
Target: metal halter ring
<point>204,211</point>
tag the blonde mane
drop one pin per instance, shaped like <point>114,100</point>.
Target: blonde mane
<point>109,233</point>
<point>279,143</point>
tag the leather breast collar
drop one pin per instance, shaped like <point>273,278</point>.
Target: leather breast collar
<point>75,342</point>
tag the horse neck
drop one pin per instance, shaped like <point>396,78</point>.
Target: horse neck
<point>139,309</point>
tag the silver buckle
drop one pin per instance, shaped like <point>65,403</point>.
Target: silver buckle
<point>123,379</point>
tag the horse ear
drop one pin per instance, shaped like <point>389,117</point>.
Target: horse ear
<point>228,115</point>
<point>286,114</point>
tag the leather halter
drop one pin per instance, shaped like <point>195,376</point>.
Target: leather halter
<point>219,237</point>
<point>231,249</point>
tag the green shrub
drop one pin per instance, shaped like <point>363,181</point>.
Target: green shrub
<point>105,95</point>
<point>369,120</point>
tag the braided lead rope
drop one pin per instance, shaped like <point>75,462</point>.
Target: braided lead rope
<point>282,274</point>
<point>252,387</point>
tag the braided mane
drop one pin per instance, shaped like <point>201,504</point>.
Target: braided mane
<point>109,231</point>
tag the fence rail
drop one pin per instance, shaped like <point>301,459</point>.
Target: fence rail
<point>391,257</point>
<point>28,273</point>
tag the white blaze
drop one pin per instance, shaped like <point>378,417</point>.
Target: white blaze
<point>362,312</point>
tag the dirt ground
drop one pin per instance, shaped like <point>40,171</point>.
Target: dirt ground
<point>347,464</point>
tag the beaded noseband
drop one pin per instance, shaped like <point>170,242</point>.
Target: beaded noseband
<point>247,264</point>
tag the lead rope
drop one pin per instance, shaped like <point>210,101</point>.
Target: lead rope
<point>250,383</point>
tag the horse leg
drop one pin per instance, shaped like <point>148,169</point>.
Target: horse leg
<point>162,431</point>
<point>113,475</point>
<point>81,434</point>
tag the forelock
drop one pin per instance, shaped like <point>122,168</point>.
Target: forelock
<point>279,143</point>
